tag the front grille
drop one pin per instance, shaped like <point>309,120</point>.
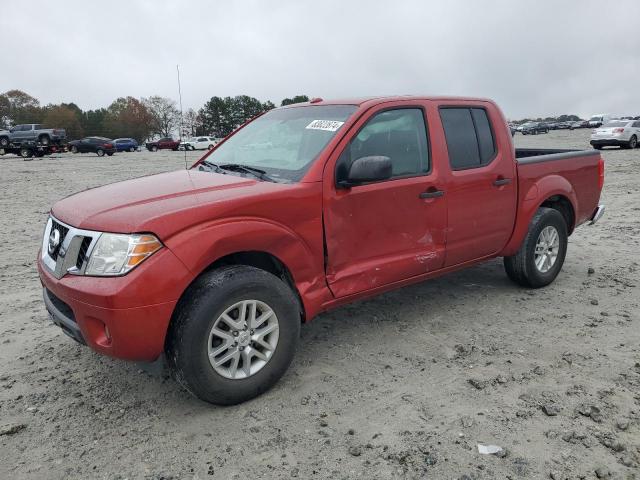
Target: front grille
<point>60,305</point>
<point>82,253</point>
<point>63,233</point>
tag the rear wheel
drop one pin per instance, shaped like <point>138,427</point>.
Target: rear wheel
<point>234,334</point>
<point>154,148</point>
<point>26,153</point>
<point>633,142</point>
<point>541,255</point>
<point>100,152</point>
<point>74,149</point>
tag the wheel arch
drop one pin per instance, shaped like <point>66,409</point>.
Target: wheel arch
<point>553,191</point>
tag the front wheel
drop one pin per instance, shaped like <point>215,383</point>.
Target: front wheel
<point>132,149</point>
<point>100,152</point>
<point>4,142</point>
<point>233,335</point>
<point>74,149</point>
<point>44,140</point>
<point>26,153</point>
<point>541,255</point>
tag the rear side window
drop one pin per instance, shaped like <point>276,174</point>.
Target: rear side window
<point>469,137</point>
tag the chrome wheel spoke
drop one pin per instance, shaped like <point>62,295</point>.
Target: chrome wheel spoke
<point>546,249</point>
<point>225,358</point>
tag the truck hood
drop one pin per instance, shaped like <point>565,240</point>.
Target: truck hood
<point>161,204</point>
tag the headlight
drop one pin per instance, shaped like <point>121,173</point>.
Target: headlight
<point>117,254</point>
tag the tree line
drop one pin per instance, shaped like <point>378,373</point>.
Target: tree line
<point>139,118</point>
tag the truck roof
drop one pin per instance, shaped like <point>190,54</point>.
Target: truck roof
<point>375,100</point>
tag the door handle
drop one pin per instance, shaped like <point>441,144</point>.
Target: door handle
<point>431,194</point>
<point>501,181</point>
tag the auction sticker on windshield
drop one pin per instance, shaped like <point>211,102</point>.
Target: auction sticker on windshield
<point>327,125</point>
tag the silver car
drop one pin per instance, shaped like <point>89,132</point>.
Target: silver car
<point>621,133</point>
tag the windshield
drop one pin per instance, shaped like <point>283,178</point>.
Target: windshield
<point>283,142</point>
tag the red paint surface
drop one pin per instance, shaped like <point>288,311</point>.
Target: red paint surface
<point>378,236</point>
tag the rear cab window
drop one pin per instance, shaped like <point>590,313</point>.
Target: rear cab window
<point>469,136</point>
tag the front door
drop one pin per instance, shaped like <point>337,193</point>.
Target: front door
<point>384,232</point>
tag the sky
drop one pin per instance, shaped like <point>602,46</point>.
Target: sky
<point>535,57</point>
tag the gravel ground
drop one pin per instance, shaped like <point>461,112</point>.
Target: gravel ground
<point>402,386</point>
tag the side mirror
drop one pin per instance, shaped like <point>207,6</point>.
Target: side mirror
<point>368,169</point>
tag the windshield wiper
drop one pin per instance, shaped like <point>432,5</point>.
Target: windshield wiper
<point>236,167</point>
<point>212,166</point>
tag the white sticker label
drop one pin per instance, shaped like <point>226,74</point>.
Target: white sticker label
<point>327,125</point>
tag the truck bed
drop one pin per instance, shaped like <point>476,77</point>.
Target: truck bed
<point>536,155</point>
<point>575,171</point>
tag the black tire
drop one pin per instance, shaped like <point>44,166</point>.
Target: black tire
<point>100,152</point>
<point>44,139</point>
<point>110,154</point>
<point>154,148</point>
<point>4,142</point>
<point>132,149</point>
<point>633,142</point>
<point>74,149</point>
<point>209,147</point>
<point>598,147</point>
<point>196,313</point>
<point>26,153</point>
<point>521,267</point>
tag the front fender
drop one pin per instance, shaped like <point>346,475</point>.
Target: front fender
<point>529,201</point>
<point>200,246</point>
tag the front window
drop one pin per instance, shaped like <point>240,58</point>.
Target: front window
<point>283,142</point>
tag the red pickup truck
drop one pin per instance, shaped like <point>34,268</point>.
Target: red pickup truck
<point>166,143</point>
<point>303,209</point>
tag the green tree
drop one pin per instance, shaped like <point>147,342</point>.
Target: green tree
<point>296,99</point>
<point>216,118</point>
<point>92,122</point>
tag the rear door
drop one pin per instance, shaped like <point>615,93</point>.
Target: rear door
<point>382,232</point>
<point>481,190</point>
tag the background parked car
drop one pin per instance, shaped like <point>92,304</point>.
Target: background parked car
<point>126,144</point>
<point>166,143</point>
<point>199,143</point>
<point>98,145</point>
<point>533,128</point>
<point>579,124</point>
<point>563,126</point>
<point>32,132</point>
<point>599,119</point>
<point>622,133</point>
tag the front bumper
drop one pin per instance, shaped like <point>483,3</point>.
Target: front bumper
<point>124,317</point>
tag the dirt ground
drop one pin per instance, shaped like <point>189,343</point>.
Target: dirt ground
<point>402,386</point>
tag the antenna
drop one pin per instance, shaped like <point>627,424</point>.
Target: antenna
<point>181,118</point>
